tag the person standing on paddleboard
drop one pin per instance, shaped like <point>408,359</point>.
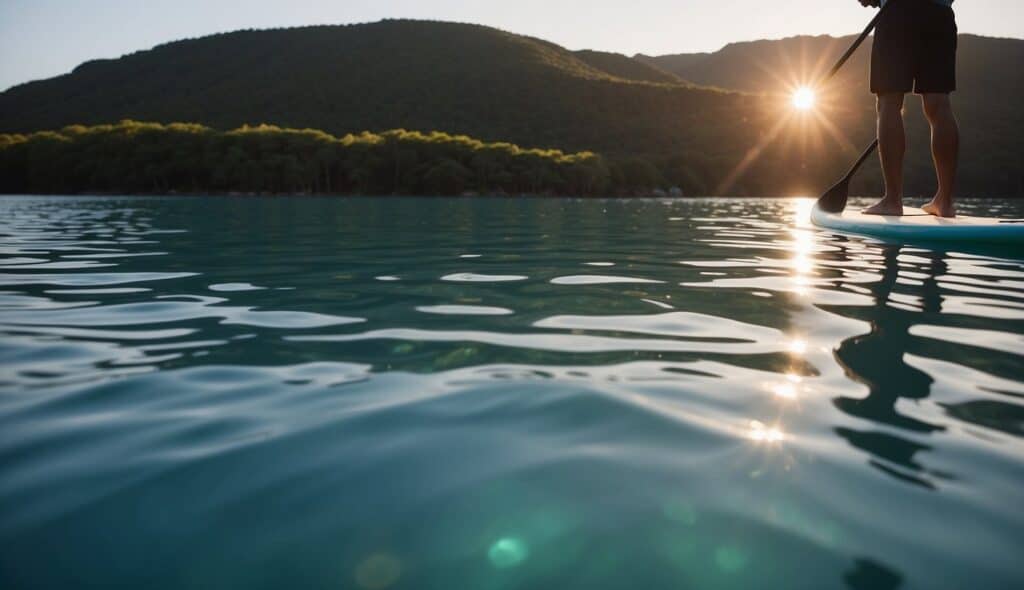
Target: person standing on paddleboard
<point>915,51</point>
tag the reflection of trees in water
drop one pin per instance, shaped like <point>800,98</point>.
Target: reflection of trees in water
<point>876,359</point>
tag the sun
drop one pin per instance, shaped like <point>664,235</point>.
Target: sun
<point>804,98</point>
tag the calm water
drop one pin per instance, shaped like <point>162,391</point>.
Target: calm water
<point>500,394</point>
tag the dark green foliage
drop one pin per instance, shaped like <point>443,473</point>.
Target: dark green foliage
<point>132,157</point>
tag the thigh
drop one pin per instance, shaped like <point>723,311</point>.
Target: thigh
<point>893,55</point>
<point>937,48</point>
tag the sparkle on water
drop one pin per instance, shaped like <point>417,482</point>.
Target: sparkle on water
<point>762,433</point>
<point>460,393</point>
<point>785,390</point>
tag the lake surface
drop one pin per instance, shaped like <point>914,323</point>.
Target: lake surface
<point>502,394</point>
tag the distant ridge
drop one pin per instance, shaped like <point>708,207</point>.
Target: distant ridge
<point>627,68</point>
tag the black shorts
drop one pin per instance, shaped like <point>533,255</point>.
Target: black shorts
<point>915,49</point>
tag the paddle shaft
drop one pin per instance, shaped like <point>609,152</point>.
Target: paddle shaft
<point>860,161</point>
<point>843,185</point>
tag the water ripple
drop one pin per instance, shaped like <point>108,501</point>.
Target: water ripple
<point>469,277</point>
<point>166,309</point>
<point>599,280</point>
<point>464,310</point>
<point>88,279</point>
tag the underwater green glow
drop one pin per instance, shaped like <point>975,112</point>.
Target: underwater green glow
<point>731,558</point>
<point>508,552</point>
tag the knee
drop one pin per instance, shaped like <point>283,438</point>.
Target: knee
<point>890,104</point>
<point>937,107</point>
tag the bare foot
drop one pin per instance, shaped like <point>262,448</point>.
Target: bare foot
<point>885,207</point>
<point>940,208</point>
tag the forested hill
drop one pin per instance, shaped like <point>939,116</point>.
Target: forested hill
<point>626,68</point>
<point>416,75</point>
<point>642,114</point>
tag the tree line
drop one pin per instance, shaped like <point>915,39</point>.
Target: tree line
<point>138,157</point>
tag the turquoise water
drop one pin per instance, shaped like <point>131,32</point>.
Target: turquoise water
<point>500,394</point>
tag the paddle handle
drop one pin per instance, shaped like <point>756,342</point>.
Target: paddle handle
<point>856,44</point>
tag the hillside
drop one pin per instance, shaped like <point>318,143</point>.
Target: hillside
<point>461,79</point>
<point>676,63</point>
<point>627,68</point>
<point>497,86</point>
<point>342,79</point>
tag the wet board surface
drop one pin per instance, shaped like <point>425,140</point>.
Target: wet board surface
<point>915,224</point>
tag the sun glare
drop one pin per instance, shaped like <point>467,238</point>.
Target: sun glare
<point>804,98</point>
<point>766,434</point>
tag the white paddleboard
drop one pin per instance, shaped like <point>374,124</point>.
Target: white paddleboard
<point>916,225</point>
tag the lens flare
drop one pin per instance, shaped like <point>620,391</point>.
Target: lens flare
<point>804,98</point>
<point>508,552</point>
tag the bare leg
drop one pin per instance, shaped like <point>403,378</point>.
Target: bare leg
<point>892,146</point>
<point>945,152</point>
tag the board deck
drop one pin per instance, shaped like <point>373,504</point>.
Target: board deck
<point>915,224</point>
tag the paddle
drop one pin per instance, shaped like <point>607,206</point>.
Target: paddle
<point>834,199</point>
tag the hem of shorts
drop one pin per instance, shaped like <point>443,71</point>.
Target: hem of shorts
<point>876,91</point>
<point>913,90</point>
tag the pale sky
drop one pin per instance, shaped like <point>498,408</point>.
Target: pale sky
<point>44,38</point>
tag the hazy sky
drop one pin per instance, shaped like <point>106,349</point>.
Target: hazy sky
<point>44,38</point>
